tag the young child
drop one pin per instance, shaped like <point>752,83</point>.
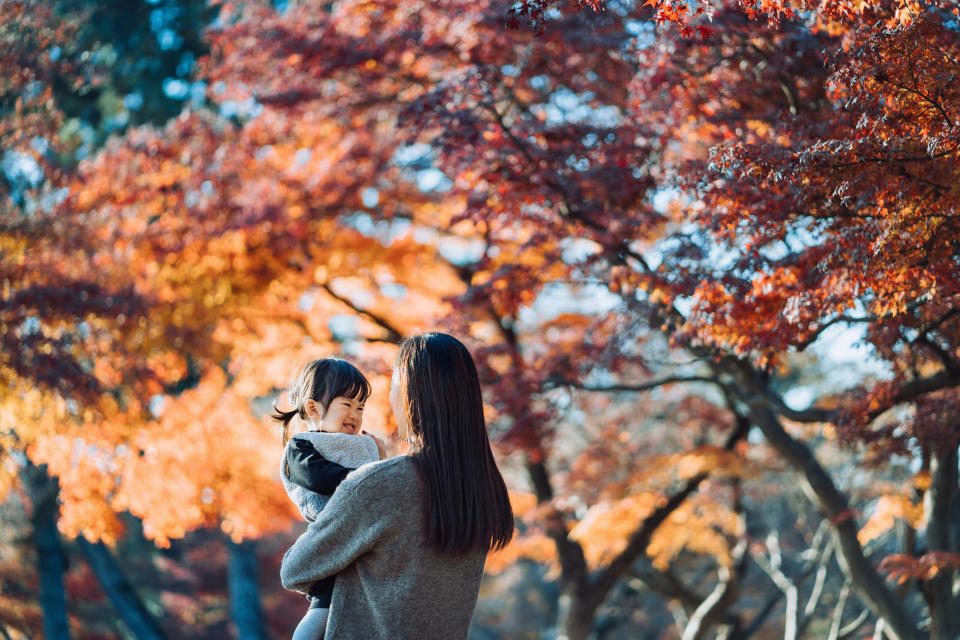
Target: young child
<point>329,395</point>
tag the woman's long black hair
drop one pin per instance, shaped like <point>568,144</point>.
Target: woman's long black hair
<point>465,501</point>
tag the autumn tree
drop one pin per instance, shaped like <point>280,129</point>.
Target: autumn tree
<point>739,277</point>
<point>56,307</point>
<point>733,185</point>
<point>202,286</point>
<point>237,281</point>
<point>824,187</point>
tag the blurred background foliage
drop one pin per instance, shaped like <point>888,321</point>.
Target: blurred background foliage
<point>704,255</point>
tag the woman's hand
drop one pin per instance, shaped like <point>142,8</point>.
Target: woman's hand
<point>380,446</point>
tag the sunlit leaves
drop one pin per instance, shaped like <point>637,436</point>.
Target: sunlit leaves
<point>886,512</point>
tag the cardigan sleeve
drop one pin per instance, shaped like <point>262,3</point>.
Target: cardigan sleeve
<point>354,521</point>
<point>307,468</point>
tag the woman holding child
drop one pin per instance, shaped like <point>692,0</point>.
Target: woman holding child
<point>404,538</point>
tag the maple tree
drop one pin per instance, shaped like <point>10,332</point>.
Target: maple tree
<point>54,312</point>
<point>826,189</point>
<point>357,51</point>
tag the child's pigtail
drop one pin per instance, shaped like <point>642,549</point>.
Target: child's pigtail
<point>284,417</point>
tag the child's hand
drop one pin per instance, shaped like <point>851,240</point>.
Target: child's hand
<point>380,446</point>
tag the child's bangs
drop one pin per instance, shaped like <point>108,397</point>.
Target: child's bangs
<point>352,385</point>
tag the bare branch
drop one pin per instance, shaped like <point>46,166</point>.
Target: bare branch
<point>643,386</point>
<point>714,605</point>
<point>838,612</point>
<point>818,583</point>
<point>813,557</point>
<point>820,488</point>
<point>852,626</point>
<point>394,335</point>
<point>880,628</point>
<point>773,568</point>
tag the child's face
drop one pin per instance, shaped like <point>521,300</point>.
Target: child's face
<point>344,415</point>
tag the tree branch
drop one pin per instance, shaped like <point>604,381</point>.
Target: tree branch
<point>667,585</point>
<point>829,323</point>
<point>773,568</point>
<point>573,564</point>
<point>909,391</point>
<point>942,355</point>
<point>394,335</point>
<point>918,387</point>
<point>643,386</point>
<point>837,618</point>
<point>714,605</point>
<point>813,561</point>
<point>852,626</point>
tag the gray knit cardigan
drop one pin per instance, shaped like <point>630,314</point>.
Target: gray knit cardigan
<point>390,584</point>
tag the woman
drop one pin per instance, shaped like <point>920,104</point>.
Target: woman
<point>407,537</point>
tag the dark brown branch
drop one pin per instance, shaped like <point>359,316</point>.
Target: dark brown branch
<point>939,321</point>
<point>829,323</point>
<point>853,163</point>
<point>918,387</point>
<point>913,305</point>
<point>573,564</point>
<point>394,335</point>
<point>920,94</point>
<point>643,386</point>
<point>944,357</point>
<point>909,391</point>
<point>562,188</point>
<point>940,500</point>
<point>939,188</point>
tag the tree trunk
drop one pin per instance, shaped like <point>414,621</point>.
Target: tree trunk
<point>121,593</point>
<point>821,490</point>
<point>941,591</point>
<point>578,603</point>
<point>51,560</point>
<point>575,614</point>
<point>245,607</point>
